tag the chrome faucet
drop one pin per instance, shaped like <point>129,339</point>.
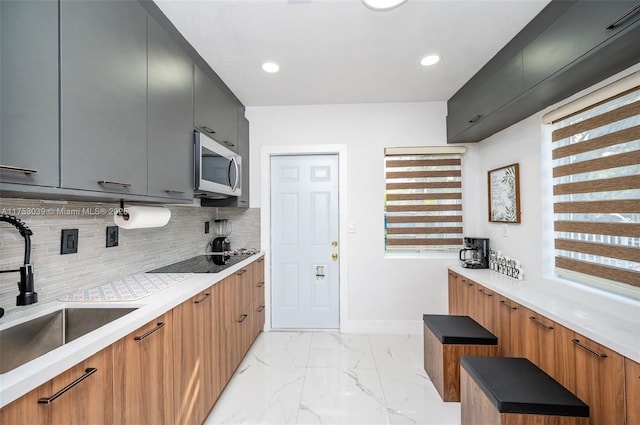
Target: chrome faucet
<point>27,293</point>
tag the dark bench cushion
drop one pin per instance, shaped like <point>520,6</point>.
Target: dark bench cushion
<point>458,330</point>
<point>515,385</point>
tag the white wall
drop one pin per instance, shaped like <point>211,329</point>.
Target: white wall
<point>391,294</point>
<point>384,294</point>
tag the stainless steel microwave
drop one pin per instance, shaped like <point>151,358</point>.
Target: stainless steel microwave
<point>218,170</point>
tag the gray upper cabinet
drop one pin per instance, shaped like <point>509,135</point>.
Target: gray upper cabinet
<point>502,85</point>
<point>29,92</point>
<point>170,129</point>
<point>214,112</point>
<point>572,35</point>
<point>243,150</point>
<point>567,47</point>
<point>103,61</point>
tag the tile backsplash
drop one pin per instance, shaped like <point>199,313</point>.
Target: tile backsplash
<point>138,250</point>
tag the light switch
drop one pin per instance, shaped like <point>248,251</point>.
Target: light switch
<point>351,228</point>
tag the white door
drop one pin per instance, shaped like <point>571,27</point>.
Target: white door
<point>305,272</point>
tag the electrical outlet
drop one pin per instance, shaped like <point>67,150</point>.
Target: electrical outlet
<point>206,227</point>
<point>69,242</point>
<point>112,236</point>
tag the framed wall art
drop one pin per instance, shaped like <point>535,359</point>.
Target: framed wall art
<point>504,194</point>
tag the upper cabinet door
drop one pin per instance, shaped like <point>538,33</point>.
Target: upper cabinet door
<point>29,92</point>
<point>103,59</point>
<point>215,113</point>
<point>579,30</point>
<point>170,103</point>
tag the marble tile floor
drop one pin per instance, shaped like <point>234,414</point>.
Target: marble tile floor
<point>333,378</point>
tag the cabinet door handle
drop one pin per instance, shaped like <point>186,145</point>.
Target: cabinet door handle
<point>261,308</point>
<point>47,400</point>
<point>510,307</point>
<point>464,281</point>
<point>208,129</point>
<point>260,284</point>
<point>242,318</point>
<point>19,170</point>
<point>207,295</point>
<point>474,119</point>
<point>622,17</point>
<point>488,294</point>
<point>174,192</point>
<point>539,323</point>
<point>241,272</point>
<point>589,349</point>
<point>112,183</point>
<point>159,326</point>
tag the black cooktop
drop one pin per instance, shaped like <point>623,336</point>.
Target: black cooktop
<point>212,263</point>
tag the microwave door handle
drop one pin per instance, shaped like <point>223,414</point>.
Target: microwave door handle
<point>234,184</point>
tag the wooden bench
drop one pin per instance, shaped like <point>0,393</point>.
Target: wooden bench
<point>446,339</point>
<point>514,391</point>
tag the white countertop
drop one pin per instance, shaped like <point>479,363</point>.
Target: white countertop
<point>611,321</point>
<point>19,381</point>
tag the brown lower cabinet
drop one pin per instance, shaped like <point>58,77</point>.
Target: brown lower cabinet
<point>81,395</point>
<point>539,340</point>
<point>169,371</point>
<point>595,374</point>
<point>605,380</point>
<point>188,360</point>
<point>144,374</point>
<point>485,309</point>
<point>632,391</point>
<point>510,318</point>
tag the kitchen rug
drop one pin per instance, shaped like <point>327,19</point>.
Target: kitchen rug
<point>129,288</point>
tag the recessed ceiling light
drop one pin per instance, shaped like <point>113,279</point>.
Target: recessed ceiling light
<point>270,67</point>
<point>382,4</point>
<point>430,60</point>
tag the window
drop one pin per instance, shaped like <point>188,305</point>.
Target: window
<point>596,188</point>
<point>423,199</point>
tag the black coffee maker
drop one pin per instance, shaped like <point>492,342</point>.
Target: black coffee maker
<point>475,254</point>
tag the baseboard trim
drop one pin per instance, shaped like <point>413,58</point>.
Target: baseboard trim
<point>393,327</point>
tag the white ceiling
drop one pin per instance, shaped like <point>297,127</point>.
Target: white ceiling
<point>339,51</point>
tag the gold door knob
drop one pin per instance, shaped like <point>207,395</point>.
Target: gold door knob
<point>334,256</point>
<point>334,243</point>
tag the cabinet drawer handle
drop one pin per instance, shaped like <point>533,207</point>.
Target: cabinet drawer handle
<point>207,295</point>
<point>466,283</point>
<point>539,323</point>
<point>174,192</point>
<point>19,170</point>
<point>622,17</point>
<point>208,129</point>
<point>589,349</point>
<point>260,284</point>
<point>474,119</point>
<point>47,400</point>
<point>110,183</point>
<point>159,326</point>
<point>488,294</point>
<point>241,272</point>
<point>510,307</point>
<point>242,318</point>
<point>261,308</point>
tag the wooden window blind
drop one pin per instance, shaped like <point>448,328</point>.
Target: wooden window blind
<point>596,188</point>
<point>423,200</point>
